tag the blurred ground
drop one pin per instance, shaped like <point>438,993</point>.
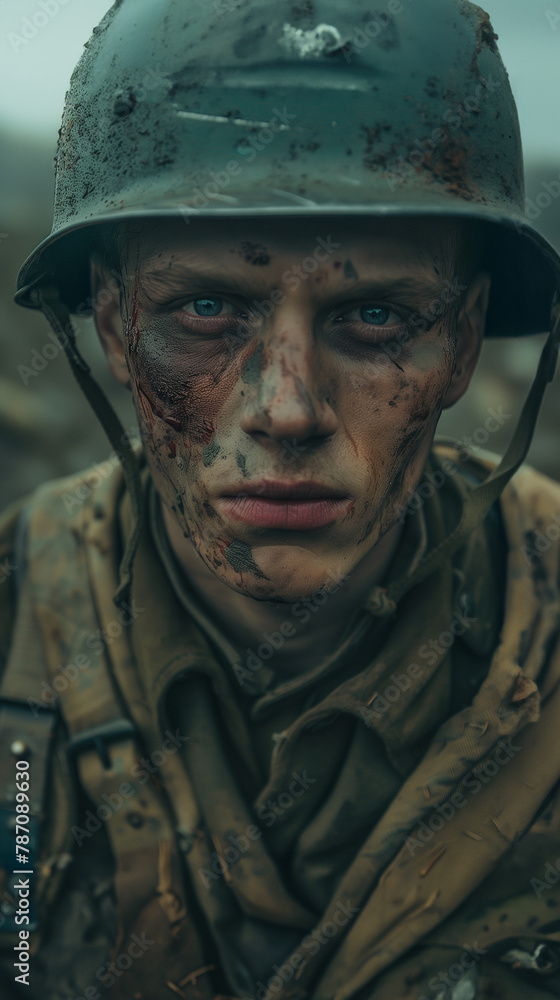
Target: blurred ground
<point>46,426</point>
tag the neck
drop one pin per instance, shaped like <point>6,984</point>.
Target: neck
<point>316,628</point>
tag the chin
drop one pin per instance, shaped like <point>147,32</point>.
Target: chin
<point>289,576</point>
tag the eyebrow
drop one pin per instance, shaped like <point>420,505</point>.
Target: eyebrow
<point>167,278</point>
<point>390,285</point>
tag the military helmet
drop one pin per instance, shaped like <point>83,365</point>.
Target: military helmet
<point>216,108</point>
<point>224,108</point>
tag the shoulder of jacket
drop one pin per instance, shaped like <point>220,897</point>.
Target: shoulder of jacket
<point>533,489</point>
<point>51,511</point>
<point>9,566</point>
<point>66,498</point>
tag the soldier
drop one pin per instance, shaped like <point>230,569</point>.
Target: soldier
<point>280,694</point>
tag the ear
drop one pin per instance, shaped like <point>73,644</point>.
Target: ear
<point>107,318</point>
<point>470,335</point>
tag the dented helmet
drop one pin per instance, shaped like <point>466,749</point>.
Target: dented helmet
<point>216,108</point>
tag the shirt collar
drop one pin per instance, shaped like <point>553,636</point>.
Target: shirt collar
<point>263,683</point>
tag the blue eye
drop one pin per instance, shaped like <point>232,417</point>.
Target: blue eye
<point>374,315</point>
<point>208,307</point>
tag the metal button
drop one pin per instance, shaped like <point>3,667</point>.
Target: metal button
<point>543,959</point>
<point>18,748</point>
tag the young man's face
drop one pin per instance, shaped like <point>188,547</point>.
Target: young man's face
<point>287,388</point>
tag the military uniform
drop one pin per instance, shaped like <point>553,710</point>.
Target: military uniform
<point>424,792</point>
<point>386,825</point>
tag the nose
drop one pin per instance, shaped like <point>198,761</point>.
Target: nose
<point>285,397</point>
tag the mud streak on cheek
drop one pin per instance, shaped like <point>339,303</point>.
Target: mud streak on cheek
<point>239,555</point>
<point>408,431</point>
<point>150,407</point>
<point>183,387</point>
<point>132,327</point>
<point>186,382</point>
<point>166,388</point>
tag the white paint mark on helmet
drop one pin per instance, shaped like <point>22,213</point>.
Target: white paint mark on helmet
<point>290,196</point>
<point>319,41</point>
<point>222,120</point>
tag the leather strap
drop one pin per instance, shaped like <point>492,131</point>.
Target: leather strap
<point>485,495</point>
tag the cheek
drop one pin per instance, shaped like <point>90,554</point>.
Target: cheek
<point>417,408</point>
<point>385,405</point>
<point>183,384</point>
<point>390,418</point>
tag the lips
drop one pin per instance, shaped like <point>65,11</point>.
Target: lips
<point>295,506</point>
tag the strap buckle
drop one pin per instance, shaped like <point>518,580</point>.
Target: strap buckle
<point>99,738</point>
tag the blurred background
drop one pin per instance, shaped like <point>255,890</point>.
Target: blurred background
<point>46,427</point>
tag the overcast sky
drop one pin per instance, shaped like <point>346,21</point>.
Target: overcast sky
<point>34,75</point>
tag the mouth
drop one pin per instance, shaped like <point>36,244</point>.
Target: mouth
<point>296,506</point>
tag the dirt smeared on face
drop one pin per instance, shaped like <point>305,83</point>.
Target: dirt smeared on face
<point>210,453</point>
<point>239,555</point>
<point>294,397</point>
<point>252,370</point>
<point>350,272</point>
<point>241,463</point>
<point>255,253</point>
<point>185,388</point>
<point>181,382</point>
<point>132,329</point>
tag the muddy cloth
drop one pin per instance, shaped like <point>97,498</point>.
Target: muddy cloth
<point>340,750</point>
<point>399,838</point>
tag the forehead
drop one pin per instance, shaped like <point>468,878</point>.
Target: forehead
<point>411,243</point>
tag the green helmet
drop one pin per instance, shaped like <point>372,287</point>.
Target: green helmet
<point>297,108</point>
<point>301,107</point>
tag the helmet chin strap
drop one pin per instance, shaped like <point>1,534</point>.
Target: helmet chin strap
<point>48,300</point>
<point>481,498</point>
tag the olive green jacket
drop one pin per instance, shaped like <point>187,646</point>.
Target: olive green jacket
<point>399,839</point>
